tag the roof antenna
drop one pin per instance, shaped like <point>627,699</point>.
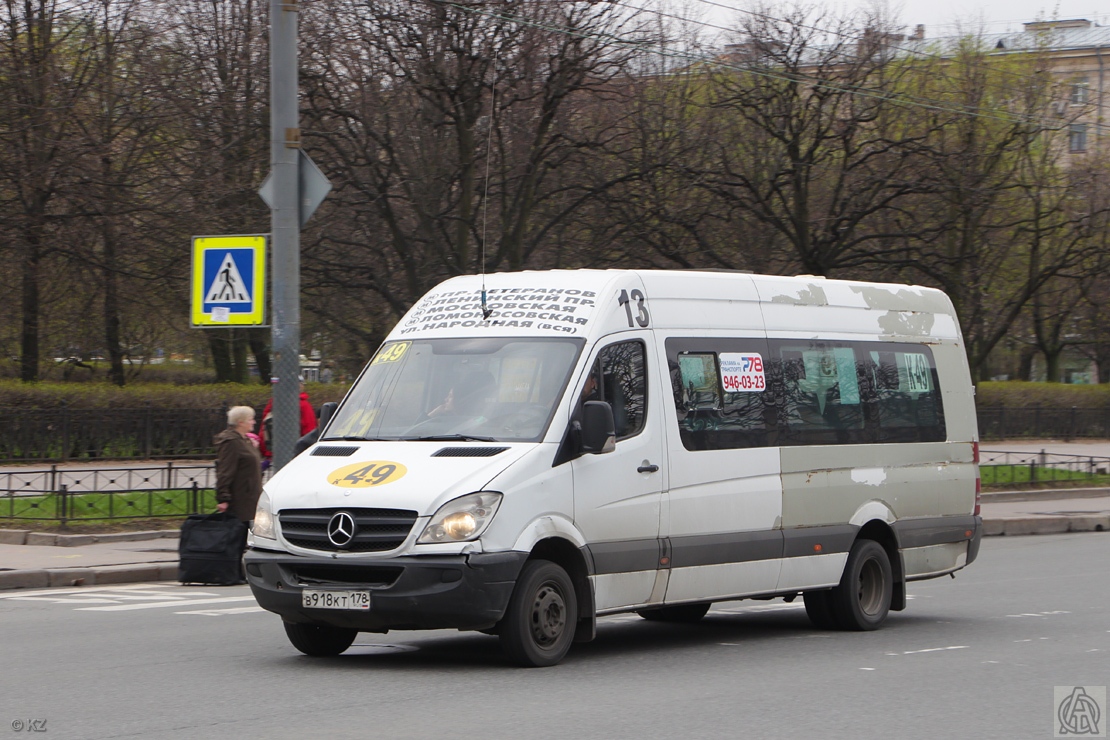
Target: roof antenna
<point>486,310</point>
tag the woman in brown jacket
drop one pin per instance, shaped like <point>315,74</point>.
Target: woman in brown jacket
<point>238,466</point>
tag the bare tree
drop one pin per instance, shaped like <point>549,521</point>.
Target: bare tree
<point>812,143</point>
<point>46,69</point>
<point>214,75</point>
<point>447,128</point>
<point>1007,214</point>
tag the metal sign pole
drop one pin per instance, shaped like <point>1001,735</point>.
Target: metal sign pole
<point>285,142</point>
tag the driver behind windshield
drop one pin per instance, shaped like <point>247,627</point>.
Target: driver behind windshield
<point>469,396</point>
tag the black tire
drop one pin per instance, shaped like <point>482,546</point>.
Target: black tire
<point>862,600</point>
<point>538,627</point>
<point>319,641</point>
<point>819,609</point>
<point>682,613</point>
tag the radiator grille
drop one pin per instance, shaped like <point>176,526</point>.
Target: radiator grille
<point>376,530</point>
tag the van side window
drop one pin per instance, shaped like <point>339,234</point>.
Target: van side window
<point>722,397</point>
<point>908,399</point>
<point>732,393</point>
<point>821,400</point>
<point>618,377</point>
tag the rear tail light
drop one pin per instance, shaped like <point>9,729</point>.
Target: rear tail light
<point>978,479</point>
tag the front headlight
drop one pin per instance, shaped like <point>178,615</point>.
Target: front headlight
<point>462,519</point>
<point>263,518</point>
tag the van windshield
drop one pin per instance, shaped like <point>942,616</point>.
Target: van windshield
<point>485,389</point>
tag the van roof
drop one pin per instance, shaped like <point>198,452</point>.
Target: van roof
<point>578,302</point>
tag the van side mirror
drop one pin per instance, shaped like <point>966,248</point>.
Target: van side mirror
<point>326,412</point>
<point>598,428</point>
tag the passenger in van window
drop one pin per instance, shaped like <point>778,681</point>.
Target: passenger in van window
<point>467,397</point>
<point>591,391</point>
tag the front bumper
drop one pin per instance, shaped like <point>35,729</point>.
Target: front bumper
<point>467,592</point>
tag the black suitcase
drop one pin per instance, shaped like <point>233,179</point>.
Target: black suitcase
<point>211,548</point>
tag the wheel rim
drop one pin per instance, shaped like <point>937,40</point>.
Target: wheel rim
<point>871,588</point>
<point>549,615</point>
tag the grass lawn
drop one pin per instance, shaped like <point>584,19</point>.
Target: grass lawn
<point>105,506</point>
<point>1009,475</point>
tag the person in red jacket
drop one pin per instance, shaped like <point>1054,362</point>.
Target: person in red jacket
<point>308,423</point>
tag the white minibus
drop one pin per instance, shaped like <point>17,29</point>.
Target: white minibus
<point>529,451</point>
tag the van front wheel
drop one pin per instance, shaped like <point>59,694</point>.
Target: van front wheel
<point>862,600</point>
<point>539,623</point>
<point>319,641</point>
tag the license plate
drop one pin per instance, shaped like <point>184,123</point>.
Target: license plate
<point>357,600</point>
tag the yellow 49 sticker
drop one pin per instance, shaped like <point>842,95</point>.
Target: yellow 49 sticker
<point>392,353</point>
<point>367,474</point>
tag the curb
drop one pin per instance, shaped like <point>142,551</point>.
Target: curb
<point>1019,525</point>
<point>29,537</point>
<point>92,576</point>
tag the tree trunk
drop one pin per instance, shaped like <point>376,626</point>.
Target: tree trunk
<point>260,346</point>
<point>29,360</point>
<point>1052,365</point>
<point>111,308</point>
<point>220,345</point>
<point>239,345</point>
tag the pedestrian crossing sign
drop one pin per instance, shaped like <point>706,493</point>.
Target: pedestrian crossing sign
<point>229,281</point>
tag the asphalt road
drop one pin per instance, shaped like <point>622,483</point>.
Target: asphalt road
<point>976,657</point>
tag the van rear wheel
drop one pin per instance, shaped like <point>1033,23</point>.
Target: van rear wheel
<point>319,641</point>
<point>862,600</point>
<point>538,627</point>
<point>682,613</point>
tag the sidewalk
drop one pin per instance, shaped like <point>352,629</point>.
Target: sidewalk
<point>81,562</point>
<point>85,560</point>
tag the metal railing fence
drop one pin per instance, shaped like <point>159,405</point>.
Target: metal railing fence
<point>70,494</point>
<point>1043,423</point>
<point>1001,468</point>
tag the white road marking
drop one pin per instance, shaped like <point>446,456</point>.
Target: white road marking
<point>914,652</point>
<point>221,612</point>
<point>135,588</point>
<point>107,596</point>
<point>159,604</point>
<point>867,669</point>
<point>90,600</point>
<point>1038,614</point>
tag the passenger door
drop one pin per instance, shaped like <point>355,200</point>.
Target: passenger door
<point>617,494</point>
<point>723,508</point>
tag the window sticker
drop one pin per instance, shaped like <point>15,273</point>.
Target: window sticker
<point>846,370</point>
<point>392,353</point>
<point>917,373</point>
<point>742,372</point>
<point>699,381</point>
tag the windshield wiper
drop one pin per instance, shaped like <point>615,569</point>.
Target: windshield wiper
<point>450,437</point>
<point>352,439</point>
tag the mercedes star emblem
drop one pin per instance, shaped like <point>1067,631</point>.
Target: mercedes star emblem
<point>341,529</point>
